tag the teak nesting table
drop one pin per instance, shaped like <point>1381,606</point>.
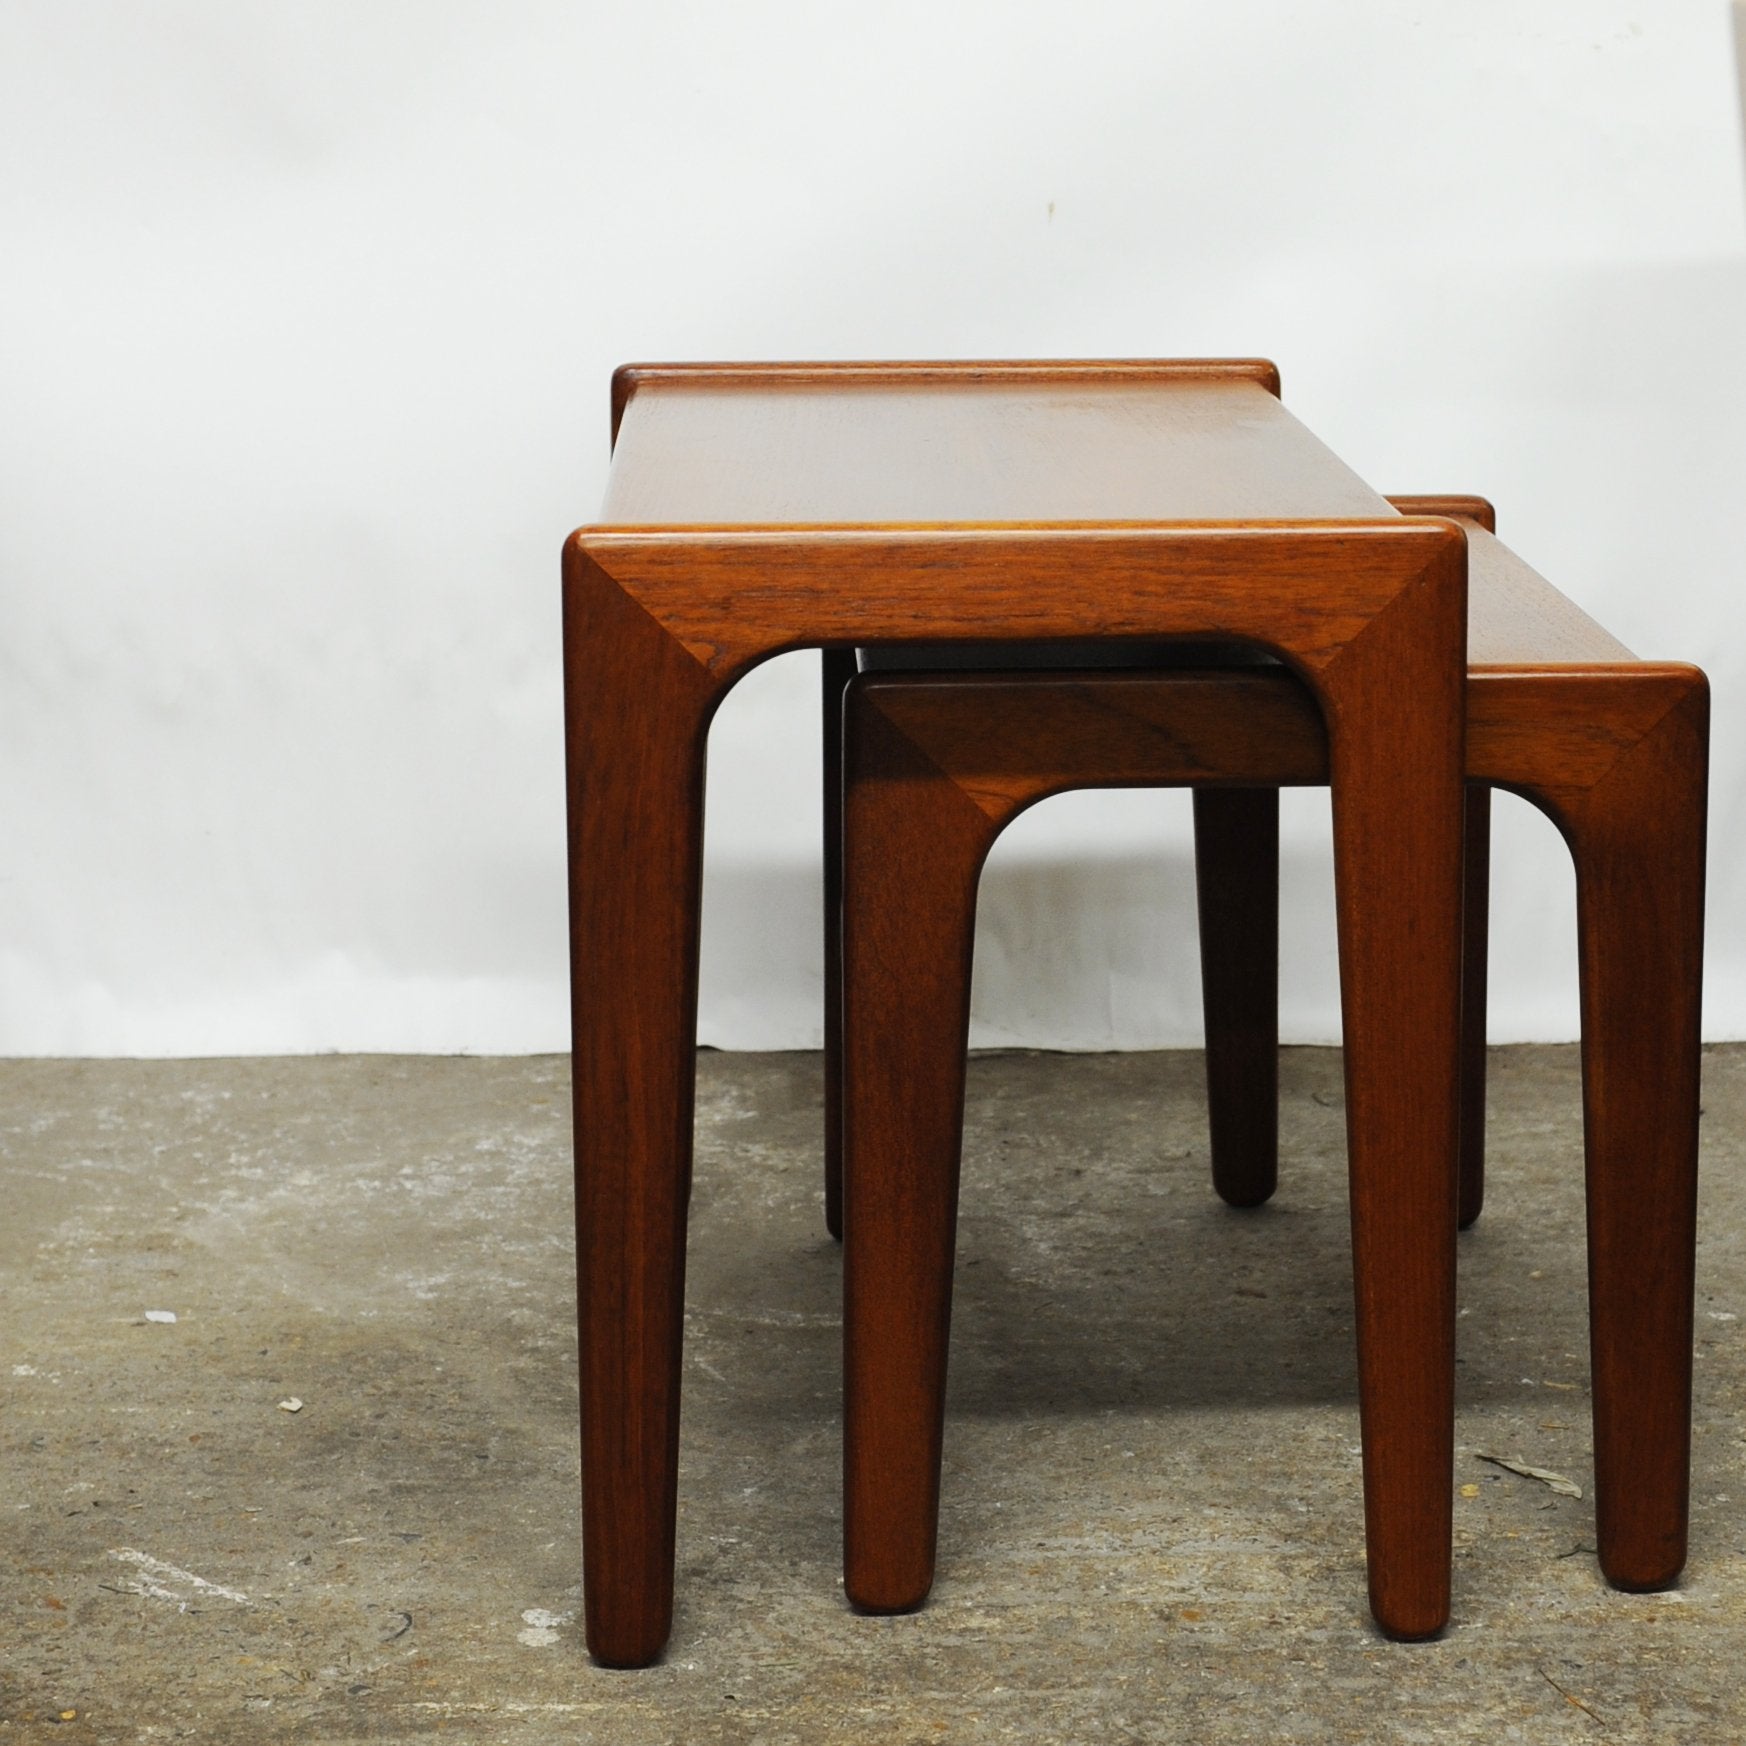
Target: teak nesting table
<point>932,765</point>
<point>754,509</point>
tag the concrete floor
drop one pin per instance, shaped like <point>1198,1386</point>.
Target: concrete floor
<point>1151,1526</point>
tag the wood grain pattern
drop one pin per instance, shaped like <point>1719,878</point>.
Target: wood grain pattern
<point>731,596</point>
<point>1196,442</point>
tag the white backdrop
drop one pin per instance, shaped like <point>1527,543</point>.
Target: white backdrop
<point>306,319</point>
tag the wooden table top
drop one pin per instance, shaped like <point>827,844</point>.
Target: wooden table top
<point>860,445</point>
<point>1027,443</point>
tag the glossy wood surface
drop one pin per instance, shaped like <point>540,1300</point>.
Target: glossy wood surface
<point>1185,442</point>
<point>1615,753</point>
<point>1308,591</point>
<point>661,618</point>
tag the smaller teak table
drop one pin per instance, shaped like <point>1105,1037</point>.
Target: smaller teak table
<point>934,764</point>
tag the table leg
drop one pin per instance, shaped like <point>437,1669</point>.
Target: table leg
<point>1397,793</point>
<point>637,708</point>
<point>1236,863</point>
<point>1637,838</point>
<point>912,853</point>
<point>1236,872</point>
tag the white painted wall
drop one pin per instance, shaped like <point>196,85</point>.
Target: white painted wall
<point>306,318</point>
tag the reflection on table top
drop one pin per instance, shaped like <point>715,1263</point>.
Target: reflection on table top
<point>699,446</point>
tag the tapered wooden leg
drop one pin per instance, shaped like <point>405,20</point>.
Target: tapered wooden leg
<point>913,845</point>
<point>1236,868</point>
<point>1475,948</point>
<point>1617,756</point>
<point>1638,843</point>
<point>1475,930</point>
<point>1397,795</point>
<point>838,668</point>
<point>637,706</point>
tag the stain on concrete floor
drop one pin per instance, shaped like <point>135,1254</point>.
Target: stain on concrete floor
<point>1152,1523</point>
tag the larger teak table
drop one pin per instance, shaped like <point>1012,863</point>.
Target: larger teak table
<point>759,508</point>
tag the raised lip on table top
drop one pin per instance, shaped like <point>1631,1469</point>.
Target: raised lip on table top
<point>875,373</point>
